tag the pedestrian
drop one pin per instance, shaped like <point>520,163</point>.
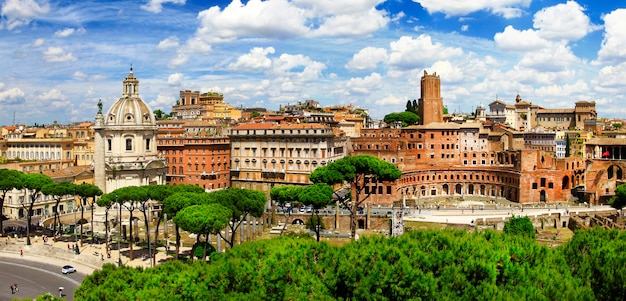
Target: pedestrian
<point>15,286</point>
<point>12,289</point>
<point>21,252</point>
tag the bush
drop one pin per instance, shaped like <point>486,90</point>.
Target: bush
<point>520,226</point>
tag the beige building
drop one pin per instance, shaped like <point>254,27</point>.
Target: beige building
<point>208,107</point>
<point>125,142</point>
<point>266,154</point>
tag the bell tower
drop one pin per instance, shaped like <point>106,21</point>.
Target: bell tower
<point>430,105</point>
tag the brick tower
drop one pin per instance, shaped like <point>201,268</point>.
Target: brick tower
<point>430,106</point>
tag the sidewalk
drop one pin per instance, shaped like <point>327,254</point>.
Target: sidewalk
<point>91,257</point>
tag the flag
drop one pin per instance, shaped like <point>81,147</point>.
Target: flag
<point>605,154</point>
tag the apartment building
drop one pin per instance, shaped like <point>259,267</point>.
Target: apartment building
<point>267,154</point>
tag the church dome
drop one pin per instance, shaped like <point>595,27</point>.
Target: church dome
<point>130,110</point>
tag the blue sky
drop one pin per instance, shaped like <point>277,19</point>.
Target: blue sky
<point>60,57</point>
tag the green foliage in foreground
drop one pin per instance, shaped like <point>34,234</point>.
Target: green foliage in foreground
<point>421,265</point>
<point>520,226</point>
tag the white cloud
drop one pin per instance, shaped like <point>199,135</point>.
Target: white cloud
<point>390,100</point>
<point>519,40</point>
<point>11,96</point>
<point>564,21</point>
<point>57,55</point>
<point>297,66</point>
<point>22,12</point>
<point>156,6</point>
<point>366,84</point>
<point>55,99</point>
<point>169,42</point>
<point>38,42</point>
<point>505,8</point>
<point>64,33</point>
<point>367,58</point>
<point>163,102</point>
<point>552,59</point>
<point>409,53</point>
<point>611,78</point>
<point>255,60</point>
<point>79,75</point>
<point>560,91</point>
<point>175,79</point>
<point>277,19</point>
<point>354,24</point>
<point>614,44</point>
<point>464,27</point>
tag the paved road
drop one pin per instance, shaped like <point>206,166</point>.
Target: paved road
<point>35,278</point>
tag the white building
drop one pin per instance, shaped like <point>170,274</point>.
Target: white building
<point>125,141</point>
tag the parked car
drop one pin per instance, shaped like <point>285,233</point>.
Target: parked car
<point>68,269</point>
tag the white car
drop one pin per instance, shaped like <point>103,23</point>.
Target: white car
<point>68,269</point>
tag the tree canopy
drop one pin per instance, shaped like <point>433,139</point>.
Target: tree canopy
<point>356,172</point>
<point>9,180</point>
<point>406,118</point>
<point>420,265</point>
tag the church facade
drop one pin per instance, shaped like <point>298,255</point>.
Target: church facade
<point>125,143</point>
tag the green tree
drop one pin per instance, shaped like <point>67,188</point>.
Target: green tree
<point>286,197</point>
<point>357,172</point>
<point>33,182</point>
<point>520,226</point>
<point>407,118</point>
<point>241,202</point>
<point>204,220</point>
<point>58,191</point>
<point>159,193</point>
<point>106,201</point>
<point>128,197</point>
<point>87,194</point>
<point>445,111</point>
<point>318,196</point>
<point>415,107</point>
<point>618,201</point>
<point>567,146</point>
<point>176,202</point>
<point>409,106</point>
<point>9,180</point>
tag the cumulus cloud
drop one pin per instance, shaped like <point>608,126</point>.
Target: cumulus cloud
<point>366,84</point>
<point>169,42</point>
<point>559,91</point>
<point>272,19</point>
<point>11,96</point>
<point>564,21</point>
<point>175,79</point>
<point>297,66</point>
<point>156,6</point>
<point>390,100</point>
<point>519,40</point>
<point>614,44</point>
<point>163,102</point>
<point>64,33</point>
<point>282,19</point>
<point>560,23</point>
<point>367,58</point>
<point>57,55</point>
<point>611,78</point>
<point>552,59</point>
<point>505,8</point>
<point>255,60</point>
<point>54,98</point>
<point>354,24</point>
<point>410,53</point>
<point>21,12</point>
